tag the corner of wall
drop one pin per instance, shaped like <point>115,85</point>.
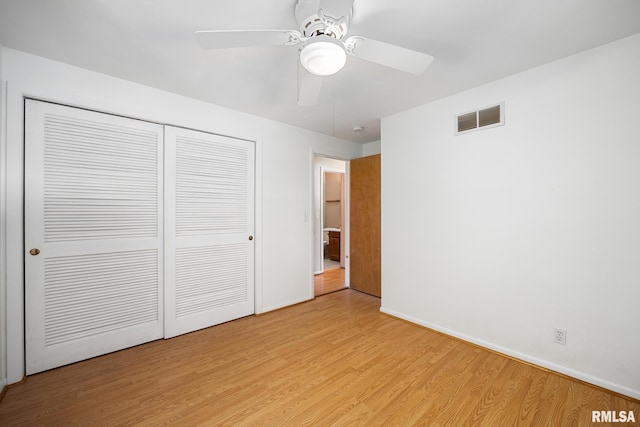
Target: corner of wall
<point>371,148</point>
<point>3,281</point>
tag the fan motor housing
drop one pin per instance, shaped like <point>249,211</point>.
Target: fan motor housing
<point>310,20</point>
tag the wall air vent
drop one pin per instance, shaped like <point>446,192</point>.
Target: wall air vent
<point>480,119</point>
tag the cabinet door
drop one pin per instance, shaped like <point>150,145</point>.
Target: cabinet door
<point>209,226</point>
<point>93,234</point>
<point>365,225</point>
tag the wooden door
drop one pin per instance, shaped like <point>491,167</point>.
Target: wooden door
<point>365,225</point>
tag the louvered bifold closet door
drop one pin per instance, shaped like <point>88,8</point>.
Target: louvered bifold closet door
<point>93,234</point>
<point>209,223</point>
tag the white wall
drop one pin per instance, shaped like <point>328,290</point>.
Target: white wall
<point>371,148</point>
<point>284,264</point>
<point>332,193</point>
<point>499,236</point>
<point>3,297</point>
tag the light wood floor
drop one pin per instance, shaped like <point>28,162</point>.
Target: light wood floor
<point>335,360</point>
<point>329,281</point>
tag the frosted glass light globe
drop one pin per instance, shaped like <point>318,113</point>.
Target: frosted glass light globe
<point>323,56</point>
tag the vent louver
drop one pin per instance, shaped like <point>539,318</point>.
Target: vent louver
<point>480,119</point>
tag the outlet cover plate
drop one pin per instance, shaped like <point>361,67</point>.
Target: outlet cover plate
<point>560,336</point>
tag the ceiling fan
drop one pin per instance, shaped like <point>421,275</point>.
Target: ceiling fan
<point>324,46</point>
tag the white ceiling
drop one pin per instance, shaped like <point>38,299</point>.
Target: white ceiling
<point>473,41</point>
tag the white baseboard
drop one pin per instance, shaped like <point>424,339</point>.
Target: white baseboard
<point>635,394</point>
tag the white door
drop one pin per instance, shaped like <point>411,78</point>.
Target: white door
<point>209,226</point>
<point>93,234</point>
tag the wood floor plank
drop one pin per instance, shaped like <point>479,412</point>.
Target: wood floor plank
<point>330,281</point>
<point>468,405</point>
<point>335,360</point>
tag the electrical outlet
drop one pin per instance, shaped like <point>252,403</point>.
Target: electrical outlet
<point>560,336</point>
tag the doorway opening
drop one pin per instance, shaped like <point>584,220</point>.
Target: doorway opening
<point>330,231</point>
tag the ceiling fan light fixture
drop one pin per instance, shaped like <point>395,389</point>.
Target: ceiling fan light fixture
<point>323,55</point>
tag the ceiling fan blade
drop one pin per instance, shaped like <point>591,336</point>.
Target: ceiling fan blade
<point>224,39</point>
<point>309,87</point>
<point>389,55</point>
